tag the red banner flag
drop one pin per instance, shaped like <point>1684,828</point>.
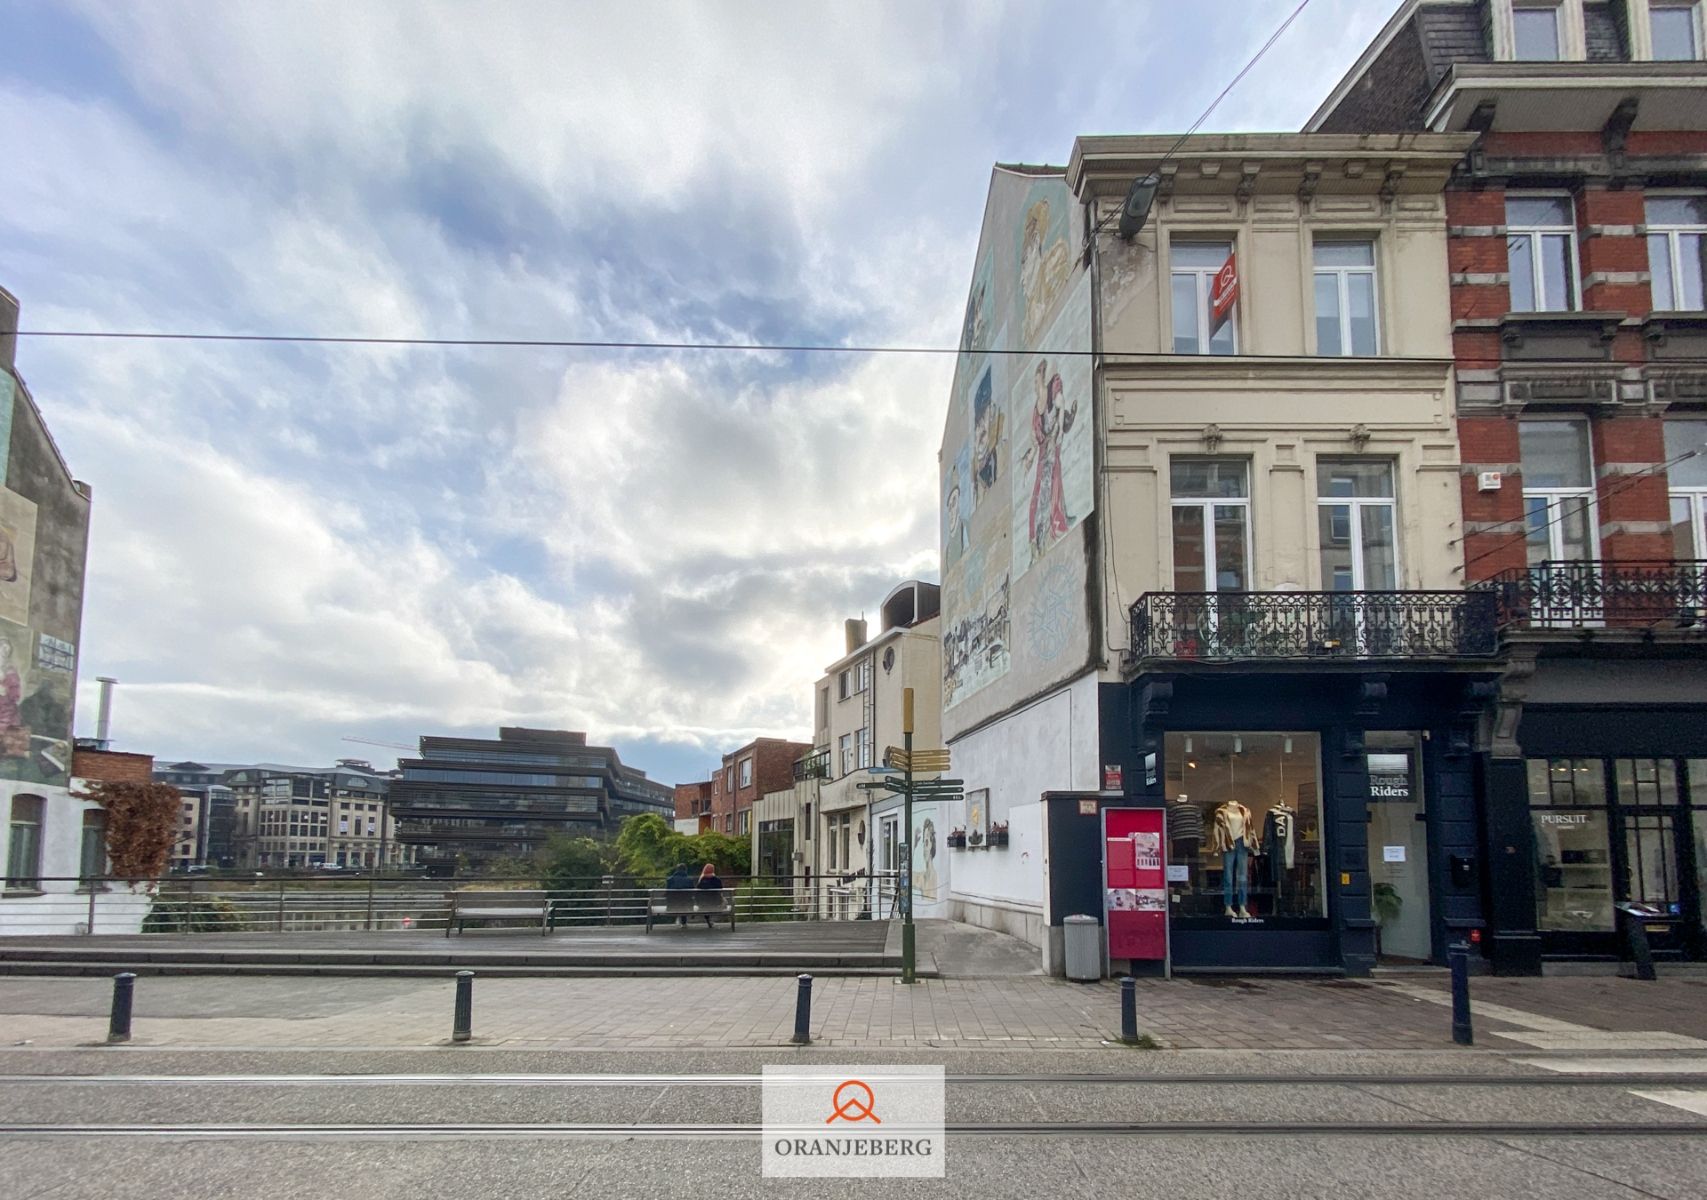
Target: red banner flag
<point>1224,292</point>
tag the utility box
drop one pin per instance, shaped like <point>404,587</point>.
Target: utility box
<point>1083,938</point>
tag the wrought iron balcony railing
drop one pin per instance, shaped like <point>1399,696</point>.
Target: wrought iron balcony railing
<point>1600,594</point>
<point>1314,625</point>
<point>813,766</point>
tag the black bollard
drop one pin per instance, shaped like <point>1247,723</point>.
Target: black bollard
<point>462,1025</point>
<point>118,1024</point>
<point>1129,1010</point>
<point>1640,949</point>
<point>803,1013</point>
<point>1459,957</point>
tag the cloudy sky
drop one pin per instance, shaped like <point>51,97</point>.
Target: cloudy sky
<point>293,544</point>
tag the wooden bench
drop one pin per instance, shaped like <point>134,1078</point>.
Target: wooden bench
<point>664,903</point>
<point>498,906</point>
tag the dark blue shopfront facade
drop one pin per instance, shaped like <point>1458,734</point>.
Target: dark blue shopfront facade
<point>1157,727</point>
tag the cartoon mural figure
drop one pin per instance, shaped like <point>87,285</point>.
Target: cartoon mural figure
<point>988,431</point>
<point>975,334</point>
<point>924,861</point>
<point>1050,423</point>
<point>957,510</point>
<point>1043,268</point>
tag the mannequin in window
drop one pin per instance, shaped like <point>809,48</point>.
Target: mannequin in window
<point>1231,836</point>
<point>1279,839</point>
<point>1185,830</point>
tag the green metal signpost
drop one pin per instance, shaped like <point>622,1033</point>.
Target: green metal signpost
<point>947,789</point>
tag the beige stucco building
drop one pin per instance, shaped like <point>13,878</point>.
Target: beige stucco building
<point>1201,541</point>
<point>1299,213</point>
<point>843,835</point>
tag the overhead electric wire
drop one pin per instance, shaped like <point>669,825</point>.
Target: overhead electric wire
<point>1214,104</point>
<point>1589,497</point>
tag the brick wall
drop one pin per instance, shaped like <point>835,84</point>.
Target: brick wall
<point>1633,510</point>
<point>112,766</point>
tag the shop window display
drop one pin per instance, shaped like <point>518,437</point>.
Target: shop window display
<point>1244,825</point>
<point>1573,878</point>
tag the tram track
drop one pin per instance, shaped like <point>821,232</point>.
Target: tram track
<point>468,1131</point>
<point>1622,1080</point>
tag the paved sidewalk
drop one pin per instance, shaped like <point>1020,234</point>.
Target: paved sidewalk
<point>734,1012</point>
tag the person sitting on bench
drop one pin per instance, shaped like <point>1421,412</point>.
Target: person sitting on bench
<point>709,882</point>
<point>680,880</point>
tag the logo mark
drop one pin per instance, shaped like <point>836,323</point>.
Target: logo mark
<point>857,1106</point>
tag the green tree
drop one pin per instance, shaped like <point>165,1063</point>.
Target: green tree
<point>649,848</point>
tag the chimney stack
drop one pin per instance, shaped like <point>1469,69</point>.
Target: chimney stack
<point>103,723</point>
<point>856,633</point>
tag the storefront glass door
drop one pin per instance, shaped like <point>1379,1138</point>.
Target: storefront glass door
<point>1610,831</point>
<point>1398,855</point>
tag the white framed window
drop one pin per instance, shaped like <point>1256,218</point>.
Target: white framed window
<point>1355,510</point>
<point>1211,524</point>
<point>1541,246</point>
<point>863,676</point>
<point>1193,270</point>
<point>1346,320</point>
<point>1688,484</point>
<point>1558,491</point>
<point>1536,36</point>
<point>1676,30</point>
<point>1677,250</point>
<point>842,685</point>
<point>746,772</point>
<point>862,747</point>
<point>844,745</point>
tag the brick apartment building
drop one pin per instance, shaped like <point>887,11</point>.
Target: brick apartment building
<point>693,807</point>
<point>724,803</point>
<point>1576,233</point>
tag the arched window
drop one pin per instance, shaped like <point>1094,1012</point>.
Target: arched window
<point>23,846</point>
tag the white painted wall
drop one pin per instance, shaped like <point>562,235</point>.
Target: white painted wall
<point>1049,745</point>
<point>60,907</point>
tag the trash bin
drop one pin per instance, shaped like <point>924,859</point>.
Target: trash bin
<point>1083,937</point>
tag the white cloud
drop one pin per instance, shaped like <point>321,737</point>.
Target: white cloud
<point>295,543</point>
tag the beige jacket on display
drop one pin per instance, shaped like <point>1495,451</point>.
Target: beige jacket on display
<point>1232,823</point>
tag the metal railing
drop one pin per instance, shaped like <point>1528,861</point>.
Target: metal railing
<point>1314,625</point>
<point>204,904</point>
<point>814,766</point>
<point>1597,593</point>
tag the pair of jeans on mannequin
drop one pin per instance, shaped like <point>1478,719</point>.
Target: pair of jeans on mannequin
<point>1233,875</point>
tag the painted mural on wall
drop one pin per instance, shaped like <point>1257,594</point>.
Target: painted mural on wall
<point>957,509</point>
<point>42,517</point>
<point>975,644</point>
<point>1020,432</point>
<point>1044,257</point>
<point>989,433</point>
<point>36,676</point>
<point>17,555</point>
<point>1054,473</point>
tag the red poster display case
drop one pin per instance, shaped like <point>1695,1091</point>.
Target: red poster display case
<point>1134,880</point>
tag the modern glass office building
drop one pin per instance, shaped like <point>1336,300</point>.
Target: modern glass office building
<point>467,801</point>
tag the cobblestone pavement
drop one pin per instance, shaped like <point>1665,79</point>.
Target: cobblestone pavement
<point>723,1012</point>
<point>727,1011</point>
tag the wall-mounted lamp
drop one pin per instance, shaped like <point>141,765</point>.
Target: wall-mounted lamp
<point>1287,745</point>
<point>1188,744</point>
<point>1238,744</point>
